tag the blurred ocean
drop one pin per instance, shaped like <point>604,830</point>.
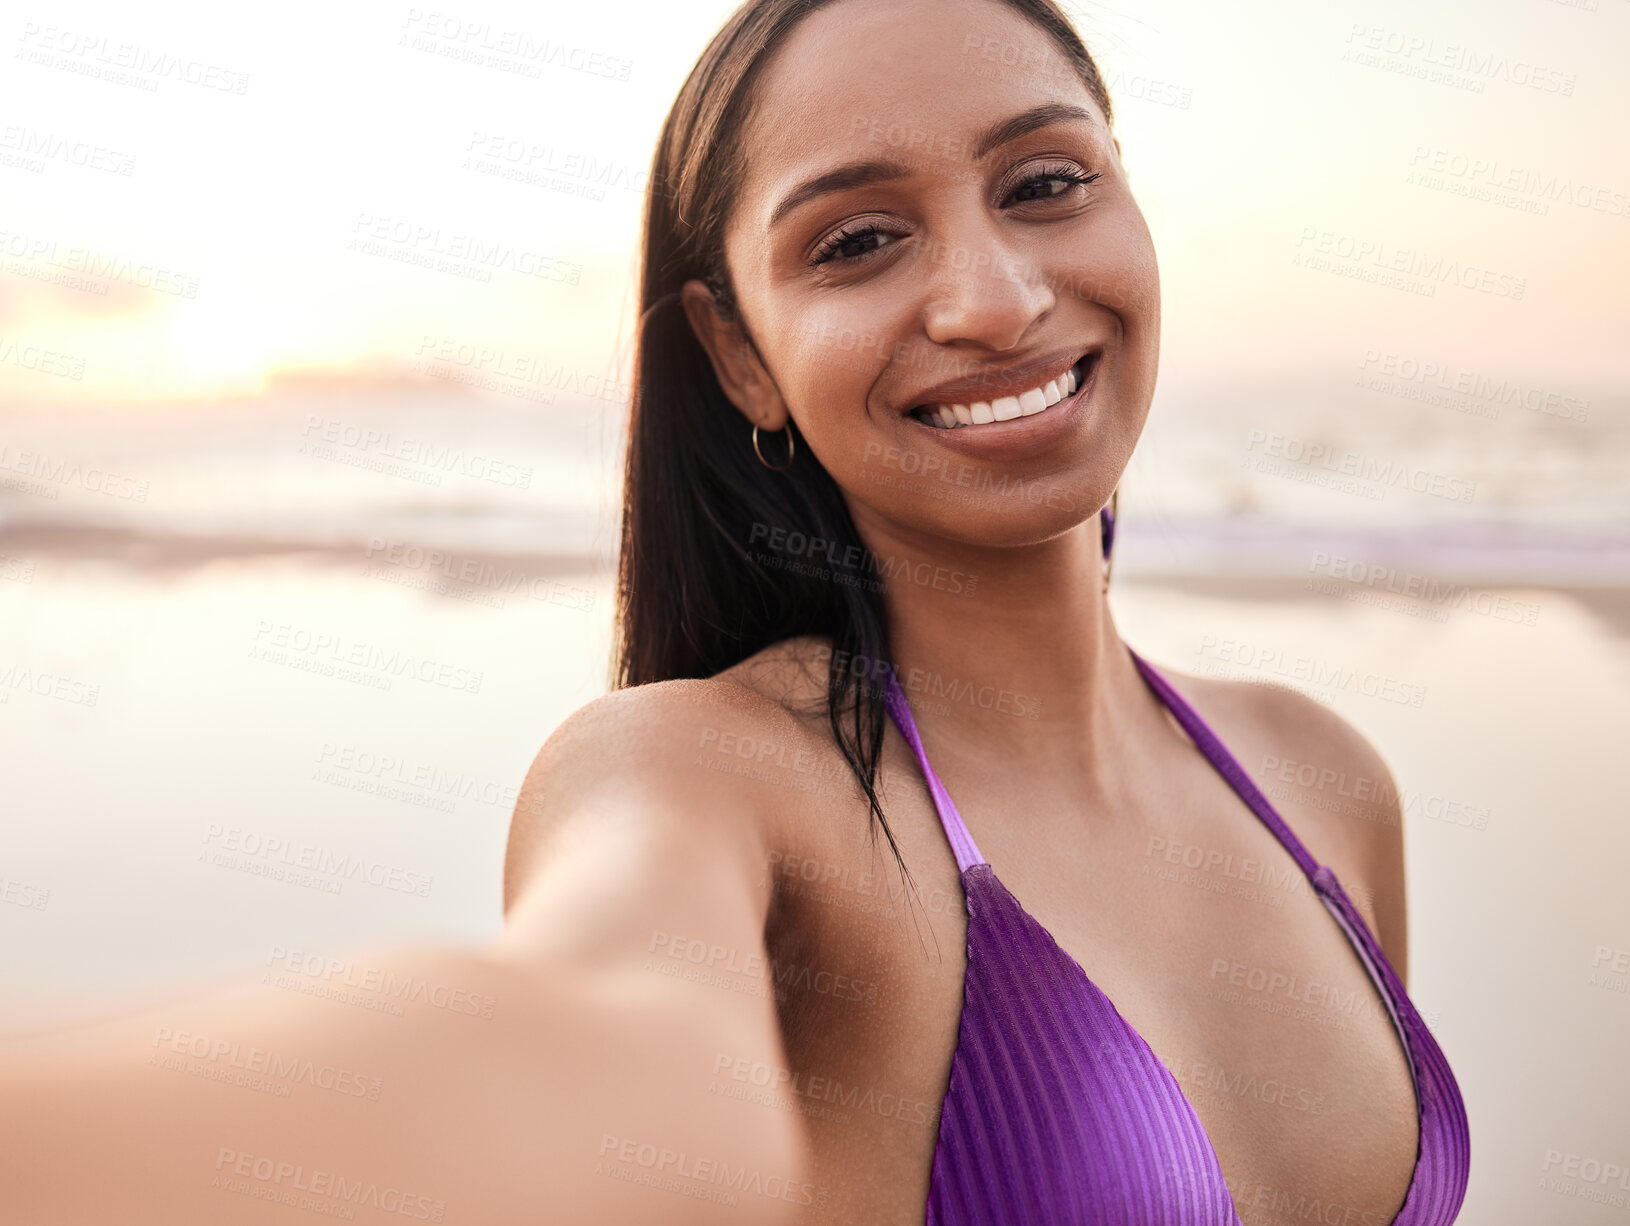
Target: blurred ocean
<point>1228,482</point>
<point>1510,482</point>
<point>311,470</point>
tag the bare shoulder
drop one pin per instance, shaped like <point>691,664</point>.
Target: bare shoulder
<point>1327,781</point>
<point>653,745</point>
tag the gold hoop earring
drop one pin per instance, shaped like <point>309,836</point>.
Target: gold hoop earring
<point>791,448</point>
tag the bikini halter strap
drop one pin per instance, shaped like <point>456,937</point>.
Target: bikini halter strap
<point>967,851</point>
<point>1200,732</point>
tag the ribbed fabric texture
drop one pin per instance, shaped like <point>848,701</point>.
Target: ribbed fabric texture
<point>1443,1161</point>
<point>1059,1112</point>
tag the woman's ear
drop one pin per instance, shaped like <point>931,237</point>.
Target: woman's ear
<point>737,366</point>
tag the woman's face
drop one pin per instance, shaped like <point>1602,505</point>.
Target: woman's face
<point>934,214</point>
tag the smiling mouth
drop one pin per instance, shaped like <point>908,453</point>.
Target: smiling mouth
<point>1006,408</point>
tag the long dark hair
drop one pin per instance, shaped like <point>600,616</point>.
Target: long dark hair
<point>694,597</point>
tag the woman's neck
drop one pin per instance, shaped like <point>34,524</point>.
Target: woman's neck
<point>1012,651</point>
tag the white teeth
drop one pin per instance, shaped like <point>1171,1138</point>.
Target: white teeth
<point>980,412</point>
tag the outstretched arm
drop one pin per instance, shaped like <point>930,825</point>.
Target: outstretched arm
<point>550,1078</point>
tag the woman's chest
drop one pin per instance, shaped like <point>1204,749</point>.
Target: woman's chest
<point>1234,976</point>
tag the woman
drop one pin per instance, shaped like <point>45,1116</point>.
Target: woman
<point>900,334</point>
<point>900,233</point>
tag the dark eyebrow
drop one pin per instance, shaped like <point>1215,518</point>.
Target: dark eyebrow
<point>1028,121</point>
<point>863,174</point>
<point>855,174</point>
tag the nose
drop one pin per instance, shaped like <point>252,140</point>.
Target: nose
<point>981,292</point>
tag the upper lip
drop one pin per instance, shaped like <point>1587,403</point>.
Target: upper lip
<point>996,382</point>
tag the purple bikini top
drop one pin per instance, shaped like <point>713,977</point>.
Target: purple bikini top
<point>1059,1112</point>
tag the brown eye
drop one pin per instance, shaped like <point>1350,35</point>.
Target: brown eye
<point>1053,183</point>
<point>848,246</point>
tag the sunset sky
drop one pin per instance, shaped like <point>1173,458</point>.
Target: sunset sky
<point>216,183</point>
